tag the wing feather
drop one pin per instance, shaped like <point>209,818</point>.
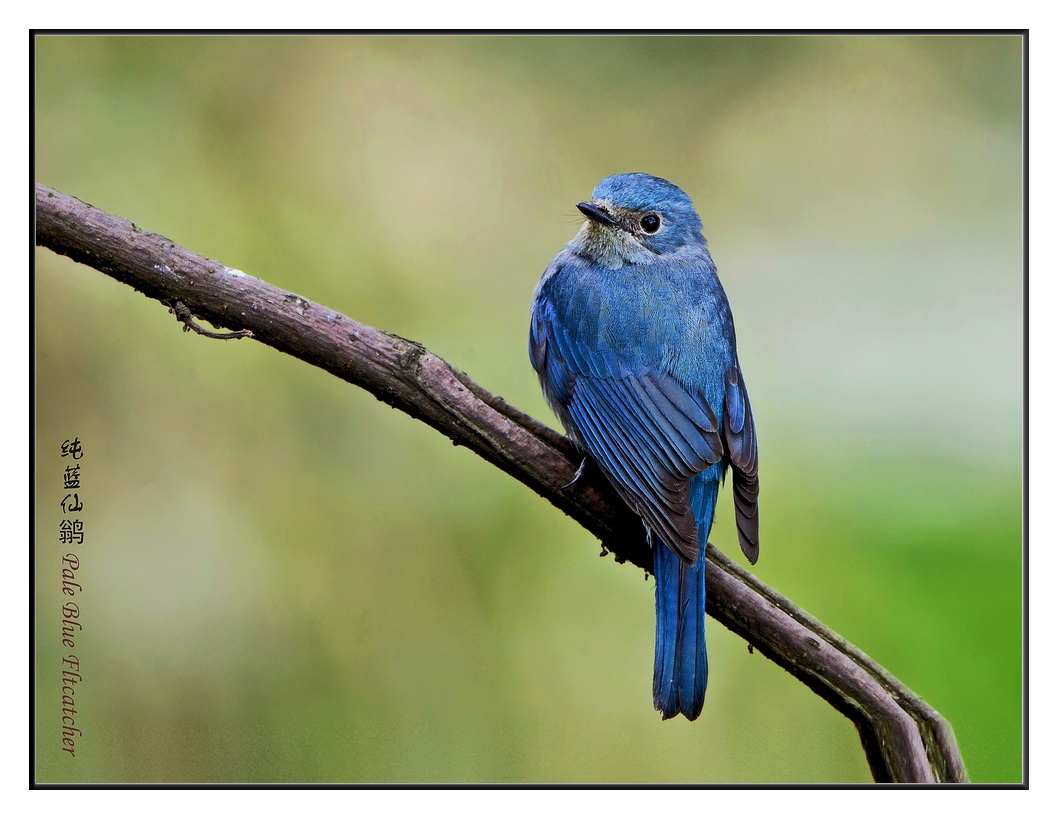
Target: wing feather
<point>649,433</point>
<point>740,439</point>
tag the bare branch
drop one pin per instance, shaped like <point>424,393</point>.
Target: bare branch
<point>905,740</point>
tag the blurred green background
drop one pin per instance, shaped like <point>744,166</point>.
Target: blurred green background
<point>285,580</point>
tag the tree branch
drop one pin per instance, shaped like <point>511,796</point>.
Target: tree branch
<point>904,739</point>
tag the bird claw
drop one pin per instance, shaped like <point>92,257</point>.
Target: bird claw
<point>576,477</point>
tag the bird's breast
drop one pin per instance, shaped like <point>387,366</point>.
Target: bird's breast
<point>653,317</point>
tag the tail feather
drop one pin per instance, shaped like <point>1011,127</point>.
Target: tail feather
<point>666,603</point>
<point>681,668</point>
<point>680,665</point>
<point>690,640</point>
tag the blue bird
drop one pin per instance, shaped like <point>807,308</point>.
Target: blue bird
<point>634,344</point>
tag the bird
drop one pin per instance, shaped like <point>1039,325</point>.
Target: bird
<point>633,340</point>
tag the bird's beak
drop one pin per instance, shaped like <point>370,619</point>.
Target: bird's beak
<point>597,214</point>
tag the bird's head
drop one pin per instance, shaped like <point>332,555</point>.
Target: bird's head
<point>635,218</point>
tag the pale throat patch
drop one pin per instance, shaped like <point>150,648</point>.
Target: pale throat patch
<point>610,246</point>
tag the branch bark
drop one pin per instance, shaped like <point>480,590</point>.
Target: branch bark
<point>904,739</point>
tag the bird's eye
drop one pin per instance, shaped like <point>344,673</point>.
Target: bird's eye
<point>651,223</point>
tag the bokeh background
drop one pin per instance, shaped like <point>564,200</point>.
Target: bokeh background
<point>286,580</point>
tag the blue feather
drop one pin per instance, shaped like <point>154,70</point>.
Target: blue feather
<point>633,340</point>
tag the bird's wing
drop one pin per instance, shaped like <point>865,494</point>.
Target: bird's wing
<point>740,442</point>
<point>649,433</point>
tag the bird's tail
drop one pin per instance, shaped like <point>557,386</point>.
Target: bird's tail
<point>681,669</point>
